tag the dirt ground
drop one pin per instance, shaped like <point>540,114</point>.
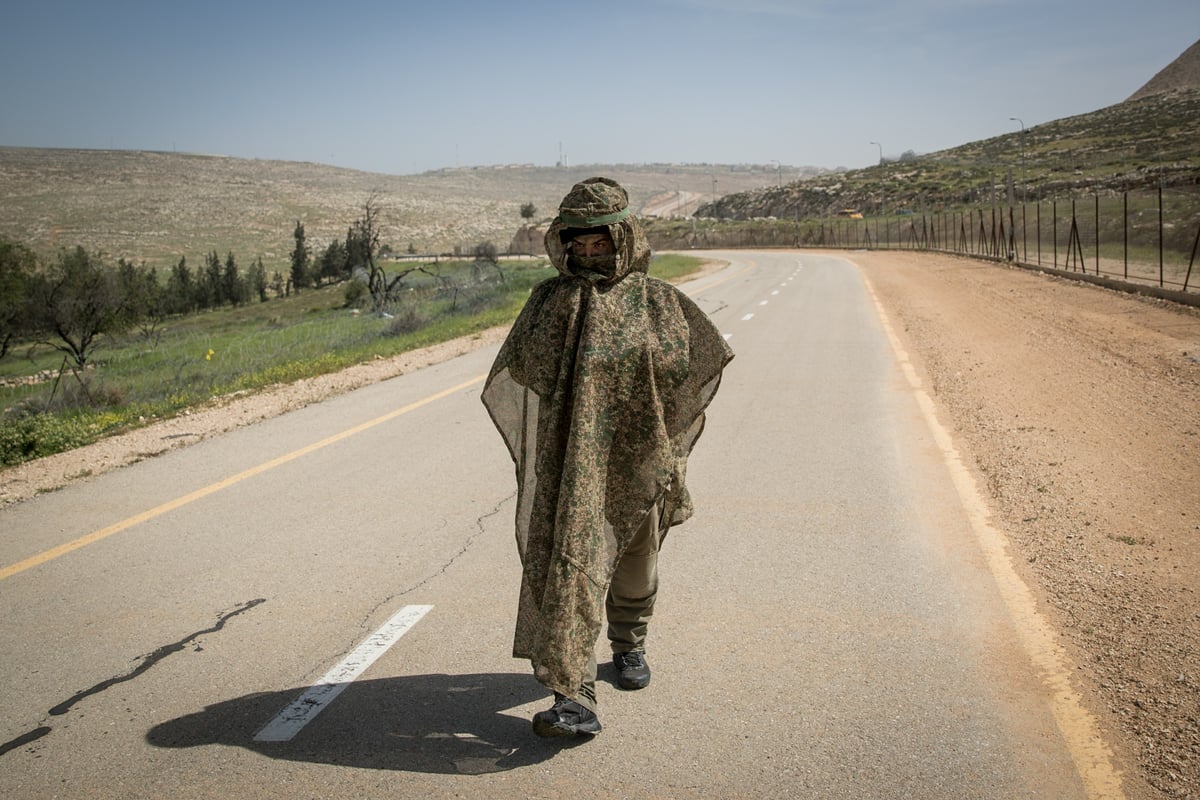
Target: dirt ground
<point>1079,407</point>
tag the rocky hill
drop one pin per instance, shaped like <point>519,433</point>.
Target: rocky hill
<point>155,207</point>
<point>1146,141</point>
<point>1181,74</point>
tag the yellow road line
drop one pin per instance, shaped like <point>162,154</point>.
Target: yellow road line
<point>1080,732</point>
<point>171,505</point>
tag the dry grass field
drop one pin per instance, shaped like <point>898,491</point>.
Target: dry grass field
<point>155,207</point>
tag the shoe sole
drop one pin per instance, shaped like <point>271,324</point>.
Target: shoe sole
<point>556,730</point>
<point>632,686</point>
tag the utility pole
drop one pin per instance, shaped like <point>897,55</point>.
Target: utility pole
<point>882,205</point>
<point>1024,189</point>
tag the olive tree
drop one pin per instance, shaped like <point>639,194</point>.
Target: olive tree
<point>17,265</point>
<point>77,300</point>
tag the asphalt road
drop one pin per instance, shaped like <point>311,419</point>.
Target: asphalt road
<point>828,623</point>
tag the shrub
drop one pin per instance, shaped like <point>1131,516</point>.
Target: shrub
<point>356,294</point>
<point>24,438</point>
<point>406,320</point>
<point>480,298</point>
<point>84,391</point>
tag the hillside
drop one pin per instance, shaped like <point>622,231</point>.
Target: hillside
<point>1138,144</point>
<point>1180,75</point>
<point>155,207</point>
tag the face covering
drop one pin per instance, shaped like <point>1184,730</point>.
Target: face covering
<point>587,266</point>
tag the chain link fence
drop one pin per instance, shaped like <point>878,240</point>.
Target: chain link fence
<point>1146,239</point>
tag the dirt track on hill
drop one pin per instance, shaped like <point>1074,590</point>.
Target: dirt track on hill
<point>1078,406</point>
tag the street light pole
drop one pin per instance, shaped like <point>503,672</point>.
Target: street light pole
<point>1024,188</point>
<point>882,206</point>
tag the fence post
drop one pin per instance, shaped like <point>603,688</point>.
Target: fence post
<point>1024,234</point>
<point>1160,238</point>
<point>1192,260</point>
<point>995,244</point>
<point>1012,235</point>
<point>1075,243</point>
<point>1054,230</point>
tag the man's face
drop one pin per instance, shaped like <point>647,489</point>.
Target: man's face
<point>592,244</point>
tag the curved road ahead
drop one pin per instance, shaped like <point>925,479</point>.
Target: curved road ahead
<point>321,605</point>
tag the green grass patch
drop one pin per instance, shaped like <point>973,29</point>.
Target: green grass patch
<point>190,360</point>
<point>673,266</point>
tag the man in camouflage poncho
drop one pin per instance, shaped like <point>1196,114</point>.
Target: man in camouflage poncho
<point>599,392</point>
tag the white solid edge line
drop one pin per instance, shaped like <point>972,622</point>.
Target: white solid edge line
<point>1079,729</point>
<point>305,708</point>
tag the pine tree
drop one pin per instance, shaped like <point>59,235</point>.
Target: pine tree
<point>301,274</point>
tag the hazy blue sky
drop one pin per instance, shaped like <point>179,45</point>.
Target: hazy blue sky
<point>402,87</point>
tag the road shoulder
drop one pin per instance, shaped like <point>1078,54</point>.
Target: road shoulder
<point>1079,409</point>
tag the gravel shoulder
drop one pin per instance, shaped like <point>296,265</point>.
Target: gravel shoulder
<point>1078,407</point>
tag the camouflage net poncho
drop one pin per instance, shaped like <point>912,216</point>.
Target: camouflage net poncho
<point>599,392</point>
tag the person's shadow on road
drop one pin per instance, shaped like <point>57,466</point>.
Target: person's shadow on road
<point>421,723</point>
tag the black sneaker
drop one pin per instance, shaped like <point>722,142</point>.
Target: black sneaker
<point>565,718</point>
<point>632,670</point>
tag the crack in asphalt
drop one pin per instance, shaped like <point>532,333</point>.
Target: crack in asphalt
<point>147,662</point>
<point>470,540</point>
<point>150,660</point>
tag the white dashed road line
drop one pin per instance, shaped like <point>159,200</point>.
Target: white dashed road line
<point>305,708</point>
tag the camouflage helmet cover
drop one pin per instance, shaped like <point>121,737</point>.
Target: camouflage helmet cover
<point>599,203</point>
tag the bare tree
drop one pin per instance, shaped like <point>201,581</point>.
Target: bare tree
<point>362,245</point>
<point>362,242</point>
<point>486,255</point>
